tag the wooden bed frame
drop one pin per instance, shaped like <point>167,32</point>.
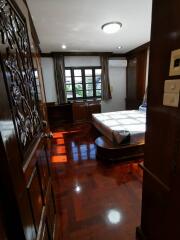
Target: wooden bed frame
<point>108,151</point>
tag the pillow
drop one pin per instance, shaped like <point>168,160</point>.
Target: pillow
<point>143,107</point>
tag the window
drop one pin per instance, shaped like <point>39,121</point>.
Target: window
<point>37,84</point>
<point>83,82</point>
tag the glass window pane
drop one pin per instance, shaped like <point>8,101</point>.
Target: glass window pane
<point>78,79</point>
<point>37,82</point>
<point>78,87</point>
<point>89,93</point>
<point>98,85</point>
<point>98,79</point>
<point>97,71</point>
<point>68,73</point>
<point>98,93</point>
<point>36,73</point>
<point>79,94</point>
<point>69,94</point>
<point>68,80</point>
<point>68,87</point>
<point>88,72</point>
<point>89,87</point>
<point>77,72</point>
<point>89,79</point>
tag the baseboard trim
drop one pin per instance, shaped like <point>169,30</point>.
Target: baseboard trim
<point>139,234</point>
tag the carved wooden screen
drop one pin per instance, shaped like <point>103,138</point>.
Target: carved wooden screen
<point>18,71</point>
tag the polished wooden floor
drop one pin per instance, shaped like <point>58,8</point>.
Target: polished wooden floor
<point>96,201</point>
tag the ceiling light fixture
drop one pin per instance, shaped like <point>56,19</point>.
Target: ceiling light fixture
<point>119,47</point>
<point>111,27</point>
<point>78,188</point>
<point>64,46</point>
<point>114,216</point>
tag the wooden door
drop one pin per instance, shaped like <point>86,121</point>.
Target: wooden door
<point>3,235</point>
<point>161,182</point>
<point>25,172</point>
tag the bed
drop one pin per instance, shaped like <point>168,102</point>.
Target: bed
<point>114,126</point>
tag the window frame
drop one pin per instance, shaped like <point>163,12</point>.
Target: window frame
<point>83,76</point>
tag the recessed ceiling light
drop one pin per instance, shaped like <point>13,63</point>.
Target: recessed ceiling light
<point>64,46</point>
<point>114,216</point>
<point>78,188</point>
<point>111,27</point>
<point>119,47</point>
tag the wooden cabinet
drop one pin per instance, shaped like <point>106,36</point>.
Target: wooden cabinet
<point>77,111</point>
<point>59,114</point>
<point>82,111</point>
<point>136,78</point>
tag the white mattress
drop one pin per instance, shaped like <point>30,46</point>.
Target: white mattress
<point>111,124</point>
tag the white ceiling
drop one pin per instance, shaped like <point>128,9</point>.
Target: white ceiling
<point>77,23</point>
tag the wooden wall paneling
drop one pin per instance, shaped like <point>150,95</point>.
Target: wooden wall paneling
<point>156,203</point>
<point>3,235</point>
<point>160,202</point>
<point>131,85</point>
<point>141,74</point>
<point>136,78</point>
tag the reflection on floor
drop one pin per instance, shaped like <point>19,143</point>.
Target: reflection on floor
<point>96,201</point>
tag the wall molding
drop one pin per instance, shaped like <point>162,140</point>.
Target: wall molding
<point>109,54</point>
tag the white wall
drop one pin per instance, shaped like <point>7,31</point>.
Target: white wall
<point>82,61</point>
<point>117,75</point>
<point>49,82</point>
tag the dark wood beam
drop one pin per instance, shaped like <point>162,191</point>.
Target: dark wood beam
<point>46,55</point>
<point>109,54</point>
